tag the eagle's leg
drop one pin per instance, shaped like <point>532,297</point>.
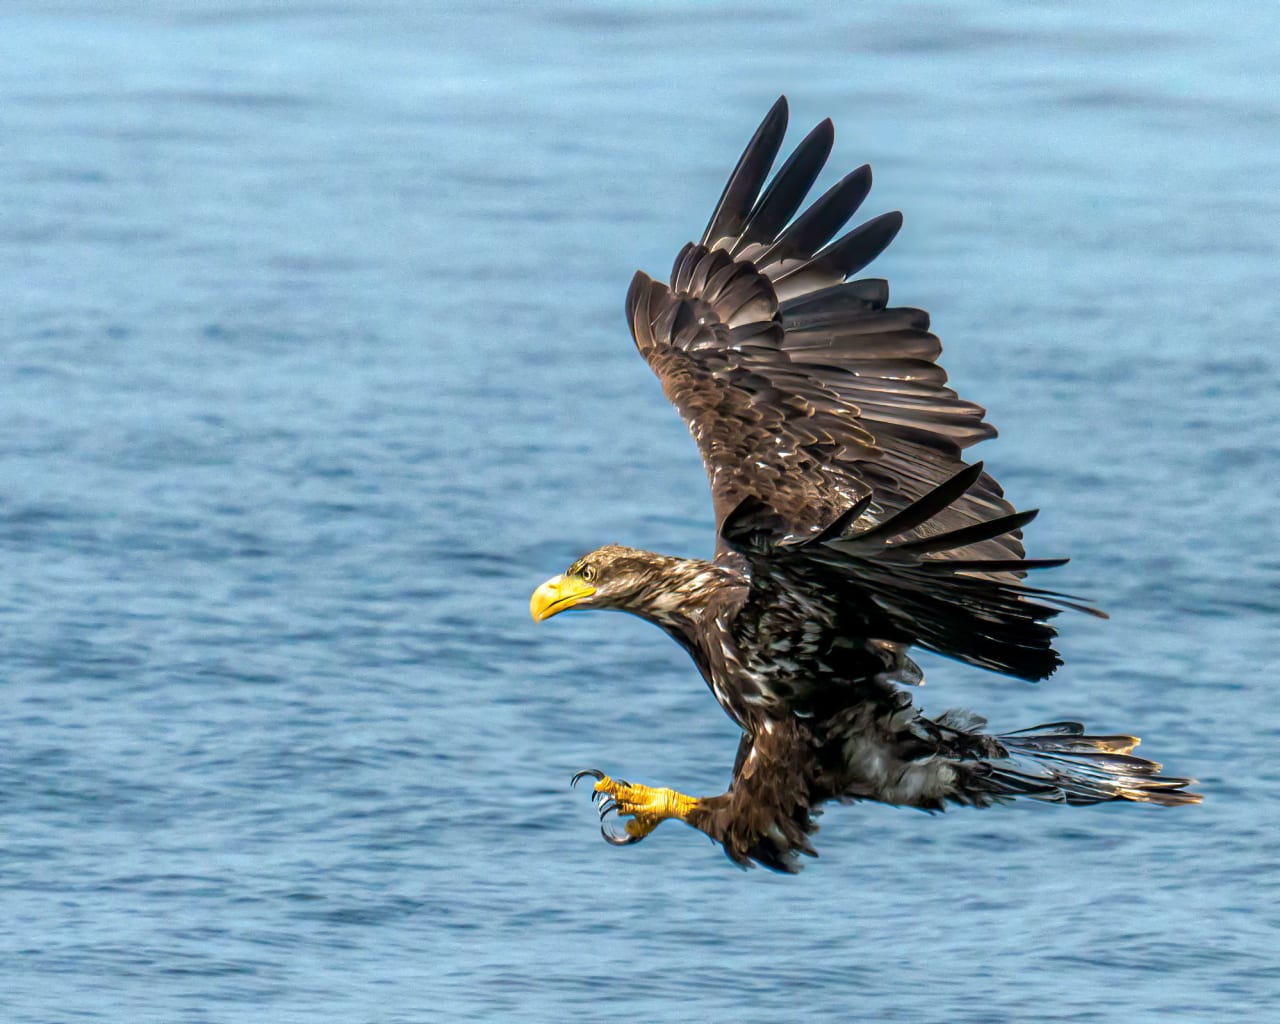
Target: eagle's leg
<point>645,807</point>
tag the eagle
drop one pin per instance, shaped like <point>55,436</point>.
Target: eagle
<point>849,528</point>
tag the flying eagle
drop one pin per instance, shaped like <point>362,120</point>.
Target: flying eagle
<point>848,528</point>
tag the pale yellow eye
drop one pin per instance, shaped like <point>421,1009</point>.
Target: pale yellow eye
<point>588,574</point>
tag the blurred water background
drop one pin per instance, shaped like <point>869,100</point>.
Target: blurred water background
<point>312,365</point>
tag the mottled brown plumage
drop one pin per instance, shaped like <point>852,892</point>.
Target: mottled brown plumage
<point>848,527</point>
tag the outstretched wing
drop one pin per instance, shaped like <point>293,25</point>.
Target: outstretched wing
<point>900,581</point>
<point>804,390</point>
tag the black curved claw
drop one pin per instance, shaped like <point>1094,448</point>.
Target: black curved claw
<point>595,773</point>
<point>613,839</point>
<point>609,805</point>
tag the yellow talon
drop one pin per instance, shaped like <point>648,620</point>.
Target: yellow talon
<point>646,807</point>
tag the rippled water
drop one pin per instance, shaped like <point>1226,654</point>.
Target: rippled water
<point>313,365</point>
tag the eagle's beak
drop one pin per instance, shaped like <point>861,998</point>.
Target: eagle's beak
<point>556,595</point>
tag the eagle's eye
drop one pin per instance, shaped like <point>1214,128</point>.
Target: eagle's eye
<point>588,574</point>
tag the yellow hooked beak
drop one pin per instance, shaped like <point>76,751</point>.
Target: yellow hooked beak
<point>558,594</point>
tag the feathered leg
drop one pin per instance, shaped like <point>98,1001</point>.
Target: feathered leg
<point>765,817</point>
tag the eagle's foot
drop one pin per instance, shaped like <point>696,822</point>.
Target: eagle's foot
<point>645,808</point>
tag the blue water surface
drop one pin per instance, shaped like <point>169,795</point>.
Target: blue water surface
<point>312,365</point>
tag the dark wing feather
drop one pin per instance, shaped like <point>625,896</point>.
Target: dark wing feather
<point>785,194</point>
<point>803,390</point>
<point>858,578</point>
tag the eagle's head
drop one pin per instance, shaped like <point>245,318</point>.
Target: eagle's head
<point>609,577</point>
<point>625,579</point>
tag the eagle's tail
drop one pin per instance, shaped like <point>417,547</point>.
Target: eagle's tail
<point>1057,762</point>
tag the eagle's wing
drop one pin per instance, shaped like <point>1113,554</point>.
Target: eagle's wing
<point>803,391</point>
<point>855,593</point>
<point>832,444</point>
